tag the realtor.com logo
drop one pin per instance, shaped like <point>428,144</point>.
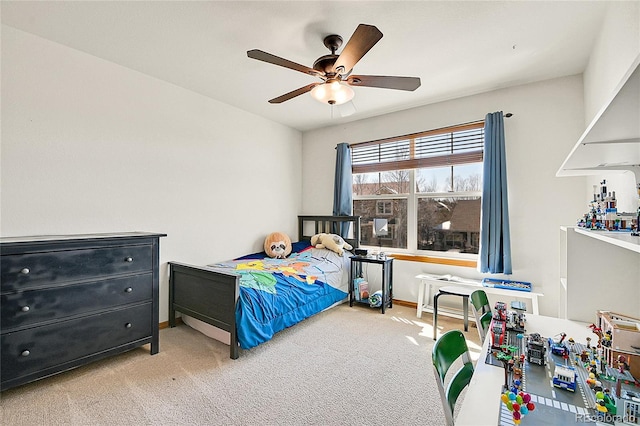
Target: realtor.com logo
<point>605,417</point>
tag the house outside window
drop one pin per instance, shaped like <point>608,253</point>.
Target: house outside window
<point>427,185</point>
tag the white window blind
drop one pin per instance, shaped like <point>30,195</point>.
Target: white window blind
<point>435,148</point>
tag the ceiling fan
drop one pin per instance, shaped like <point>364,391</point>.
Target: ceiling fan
<point>335,70</point>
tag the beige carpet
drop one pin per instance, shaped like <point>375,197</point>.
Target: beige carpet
<point>346,366</point>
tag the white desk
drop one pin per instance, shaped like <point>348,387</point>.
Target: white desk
<point>481,403</point>
<point>428,282</point>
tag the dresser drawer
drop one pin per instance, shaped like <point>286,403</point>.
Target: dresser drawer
<point>23,271</point>
<point>32,306</point>
<point>36,349</point>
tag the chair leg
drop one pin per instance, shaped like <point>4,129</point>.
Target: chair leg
<point>435,316</point>
<point>420,299</point>
<point>465,308</point>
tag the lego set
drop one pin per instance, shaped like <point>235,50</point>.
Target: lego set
<point>595,379</point>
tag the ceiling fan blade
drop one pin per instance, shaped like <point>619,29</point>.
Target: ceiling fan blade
<point>293,94</point>
<point>384,82</point>
<point>276,60</point>
<point>362,40</point>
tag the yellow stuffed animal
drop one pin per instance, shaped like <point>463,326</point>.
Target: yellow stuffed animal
<point>332,242</point>
<point>277,245</point>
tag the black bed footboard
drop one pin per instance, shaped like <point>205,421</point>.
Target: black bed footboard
<point>211,296</point>
<point>205,294</point>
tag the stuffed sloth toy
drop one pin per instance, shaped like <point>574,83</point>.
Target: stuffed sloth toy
<point>277,245</point>
<point>331,241</point>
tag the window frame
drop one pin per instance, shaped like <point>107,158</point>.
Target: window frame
<point>412,252</point>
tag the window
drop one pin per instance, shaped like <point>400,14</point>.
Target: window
<point>384,208</point>
<point>427,185</point>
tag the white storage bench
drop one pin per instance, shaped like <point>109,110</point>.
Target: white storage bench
<point>429,285</point>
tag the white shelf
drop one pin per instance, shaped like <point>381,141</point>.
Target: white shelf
<point>620,239</point>
<point>612,141</point>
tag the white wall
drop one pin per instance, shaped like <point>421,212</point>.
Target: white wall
<point>90,146</point>
<point>616,48</point>
<point>548,119</point>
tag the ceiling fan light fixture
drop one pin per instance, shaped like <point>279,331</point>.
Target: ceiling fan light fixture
<point>333,92</point>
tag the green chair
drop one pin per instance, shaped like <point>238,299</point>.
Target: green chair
<point>483,325</point>
<point>448,349</point>
<point>481,307</point>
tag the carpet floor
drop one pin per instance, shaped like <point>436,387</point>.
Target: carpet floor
<point>345,366</point>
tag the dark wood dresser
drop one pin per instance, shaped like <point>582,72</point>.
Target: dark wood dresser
<point>70,300</point>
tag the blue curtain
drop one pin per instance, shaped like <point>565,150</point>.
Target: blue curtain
<point>495,242</point>
<point>343,187</point>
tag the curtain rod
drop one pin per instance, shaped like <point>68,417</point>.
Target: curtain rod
<point>506,115</point>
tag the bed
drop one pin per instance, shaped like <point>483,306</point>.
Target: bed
<point>253,297</point>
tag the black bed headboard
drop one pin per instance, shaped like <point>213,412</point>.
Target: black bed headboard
<point>328,225</point>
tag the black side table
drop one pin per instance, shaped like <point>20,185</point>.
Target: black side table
<point>387,278</point>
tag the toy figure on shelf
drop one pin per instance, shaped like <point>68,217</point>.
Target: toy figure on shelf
<point>593,368</point>
<point>584,356</point>
<point>605,402</point>
<point>622,364</point>
<point>498,326</point>
<point>603,365</point>
<point>559,348</point>
<point>564,377</point>
<point>622,367</point>
<point>598,332</point>
<point>515,321</point>
<point>517,371</point>
<point>637,227</point>
<point>500,311</point>
<point>592,382</point>
<point>535,349</point>
<point>603,213</point>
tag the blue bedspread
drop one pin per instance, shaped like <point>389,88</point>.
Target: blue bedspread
<point>278,293</point>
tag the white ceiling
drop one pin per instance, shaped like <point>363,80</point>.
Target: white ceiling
<point>457,48</point>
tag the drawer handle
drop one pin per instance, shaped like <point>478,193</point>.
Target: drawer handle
<point>127,325</point>
<point>25,309</point>
<point>25,353</point>
<point>128,259</point>
<point>128,290</point>
<point>25,271</point>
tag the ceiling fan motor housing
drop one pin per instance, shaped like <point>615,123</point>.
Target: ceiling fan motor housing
<point>325,63</point>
